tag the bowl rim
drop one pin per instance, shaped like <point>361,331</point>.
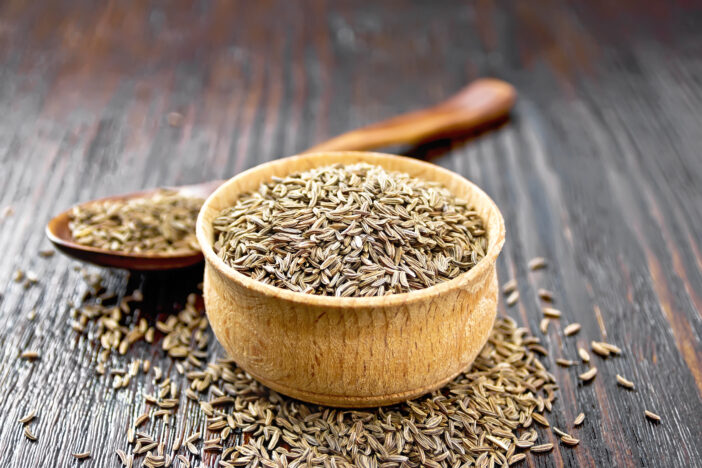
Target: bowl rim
<point>462,280</point>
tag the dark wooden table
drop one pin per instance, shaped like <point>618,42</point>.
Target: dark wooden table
<point>599,170</point>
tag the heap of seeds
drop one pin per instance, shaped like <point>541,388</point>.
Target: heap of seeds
<point>485,416</point>
<point>161,223</point>
<point>355,230</point>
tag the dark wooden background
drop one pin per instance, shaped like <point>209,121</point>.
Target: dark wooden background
<point>599,170</point>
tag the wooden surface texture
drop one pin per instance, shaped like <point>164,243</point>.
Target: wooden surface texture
<point>599,170</point>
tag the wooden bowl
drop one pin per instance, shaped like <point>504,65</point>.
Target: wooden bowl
<point>351,352</point>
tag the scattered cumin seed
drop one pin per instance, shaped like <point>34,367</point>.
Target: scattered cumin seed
<point>571,329</point>
<point>545,295</point>
<point>538,348</point>
<point>583,355</point>
<point>513,298</point>
<point>540,419</point>
<point>611,348</point>
<point>524,444</point>
<point>598,349</point>
<point>18,276</point>
<point>509,287</point>
<point>579,419</point>
<point>569,440</point>
<point>28,417</point>
<point>652,416</point>
<point>542,448</point>
<point>537,263</point>
<point>81,455</point>
<point>564,362</point>
<point>551,312</point>
<point>560,432</point>
<point>516,458</point>
<point>28,434</point>
<point>32,314</point>
<point>625,382</point>
<point>175,119</point>
<point>46,253</point>
<point>543,325</point>
<point>141,420</point>
<point>30,355</point>
<point>588,375</point>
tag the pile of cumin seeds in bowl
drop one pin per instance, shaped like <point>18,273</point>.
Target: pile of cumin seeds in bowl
<point>350,231</point>
<point>161,223</point>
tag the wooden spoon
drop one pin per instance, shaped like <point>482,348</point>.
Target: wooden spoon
<point>481,103</point>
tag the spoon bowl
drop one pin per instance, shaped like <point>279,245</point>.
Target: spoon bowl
<point>481,103</point>
<point>59,233</point>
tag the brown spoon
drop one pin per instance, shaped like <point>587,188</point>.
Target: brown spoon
<point>481,103</point>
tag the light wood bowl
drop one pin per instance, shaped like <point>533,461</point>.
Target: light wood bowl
<point>351,352</point>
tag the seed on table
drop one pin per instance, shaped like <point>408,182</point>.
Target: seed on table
<point>537,263</point>
<point>614,349</point>
<point>32,314</point>
<point>538,348</point>
<point>543,325</point>
<point>513,298</point>
<point>516,458</point>
<point>141,419</point>
<point>571,329</point>
<point>545,295</point>
<point>28,434</point>
<point>81,455</point>
<point>588,375</point>
<point>560,432</point>
<point>570,440</point>
<point>542,448</point>
<point>540,419</point>
<point>18,276</point>
<point>46,253</point>
<point>583,355</point>
<point>122,456</point>
<point>510,286</point>
<point>579,419</point>
<point>564,362</point>
<point>598,349</point>
<point>523,444</point>
<point>30,355</point>
<point>625,382</point>
<point>550,312</point>
<point>652,416</point>
<point>27,417</point>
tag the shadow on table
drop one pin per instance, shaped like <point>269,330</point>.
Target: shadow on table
<point>431,150</point>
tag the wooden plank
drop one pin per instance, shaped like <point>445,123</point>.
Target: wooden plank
<point>598,171</point>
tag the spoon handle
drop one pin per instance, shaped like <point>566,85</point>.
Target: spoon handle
<point>482,102</point>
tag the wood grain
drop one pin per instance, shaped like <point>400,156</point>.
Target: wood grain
<point>599,171</point>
